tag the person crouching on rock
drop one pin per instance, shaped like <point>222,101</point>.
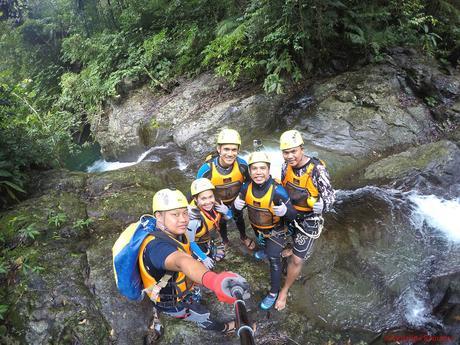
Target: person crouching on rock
<point>165,261</point>
<point>203,229</point>
<point>268,208</point>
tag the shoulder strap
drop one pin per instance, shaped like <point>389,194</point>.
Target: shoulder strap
<point>317,161</point>
<point>154,290</point>
<point>211,156</point>
<point>162,235</point>
<point>204,222</point>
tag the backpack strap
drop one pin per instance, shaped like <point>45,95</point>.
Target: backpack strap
<point>154,290</point>
<point>211,156</point>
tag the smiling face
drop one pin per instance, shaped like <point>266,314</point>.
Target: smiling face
<point>175,221</point>
<point>227,154</point>
<point>294,156</point>
<point>259,172</point>
<point>205,200</point>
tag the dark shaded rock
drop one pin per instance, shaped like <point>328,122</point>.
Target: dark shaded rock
<point>445,293</point>
<point>425,78</point>
<point>56,180</point>
<point>55,306</point>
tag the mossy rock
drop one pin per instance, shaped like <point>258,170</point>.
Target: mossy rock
<point>429,157</point>
<point>60,306</point>
<point>57,180</point>
<point>112,212</point>
<point>53,215</point>
<point>151,176</point>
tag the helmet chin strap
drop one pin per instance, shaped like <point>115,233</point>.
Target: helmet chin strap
<point>162,226</point>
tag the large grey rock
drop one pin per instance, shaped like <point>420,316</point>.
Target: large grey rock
<point>362,112</point>
<point>441,157</point>
<point>430,169</point>
<point>191,115</point>
<point>119,129</point>
<point>368,111</point>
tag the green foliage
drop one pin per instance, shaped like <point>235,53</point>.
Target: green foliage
<point>57,219</point>
<point>3,266</point>
<point>28,135</point>
<point>29,232</point>
<point>11,181</point>
<point>431,101</point>
<point>25,229</point>
<point>3,310</point>
<point>82,224</point>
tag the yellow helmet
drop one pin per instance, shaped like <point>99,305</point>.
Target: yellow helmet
<point>200,185</point>
<point>257,157</point>
<point>168,199</point>
<point>290,139</point>
<point>228,136</point>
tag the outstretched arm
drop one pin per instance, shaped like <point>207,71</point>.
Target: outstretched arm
<point>221,284</point>
<point>182,262</point>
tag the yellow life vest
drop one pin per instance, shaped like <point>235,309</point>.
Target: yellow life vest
<point>227,186</point>
<point>179,283</point>
<point>209,224</point>
<point>260,210</point>
<point>301,190</point>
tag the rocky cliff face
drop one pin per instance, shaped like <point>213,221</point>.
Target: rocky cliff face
<point>402,101</point>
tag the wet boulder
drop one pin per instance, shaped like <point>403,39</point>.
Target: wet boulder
<point>430,168</point>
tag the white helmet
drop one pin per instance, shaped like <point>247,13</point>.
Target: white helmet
<point>168,199</point>
<point>258,156</point>
<point>228,136</point>
<point>290,139</point>
<point>200,185</point>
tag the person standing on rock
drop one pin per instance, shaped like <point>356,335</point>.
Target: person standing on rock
<point>205,215</point>
<point>168,269</point>
<point>268,208</point>
<point>307,183</point>
<point>227,172</point>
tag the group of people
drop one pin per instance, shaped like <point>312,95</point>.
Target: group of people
<point>191,235</point>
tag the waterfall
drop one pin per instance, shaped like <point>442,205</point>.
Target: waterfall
<point>438,213</point>
<point>102,165</point>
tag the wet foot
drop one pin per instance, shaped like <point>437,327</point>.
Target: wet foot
<point>229,328</point>
<point>281,301</point>
<point>249,243</point>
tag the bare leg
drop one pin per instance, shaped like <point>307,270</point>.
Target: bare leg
<point>293,271</point>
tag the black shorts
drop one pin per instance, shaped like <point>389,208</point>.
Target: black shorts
<point>305,230</point>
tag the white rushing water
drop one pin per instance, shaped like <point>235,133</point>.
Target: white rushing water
<point>276,159</point>
<point>437,213</point>
<point>102,165</point>
<point>181,164</point>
